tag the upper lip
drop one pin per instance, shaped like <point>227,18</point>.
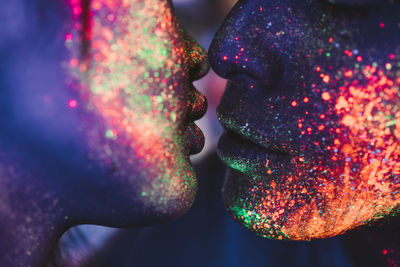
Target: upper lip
<point>248,133</point>
<point>198,105</point>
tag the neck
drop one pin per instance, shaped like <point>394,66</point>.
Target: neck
<point>27,241</point>
<point>31,215</point>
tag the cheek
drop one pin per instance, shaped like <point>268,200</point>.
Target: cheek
<point>357,178</point>
<point>38,97</point>
<point>367,106</point>
<point>349,172</point>
<point>130,82</point>
<point>365,112</point>
<point>17,26</point>
<point>135,66</point>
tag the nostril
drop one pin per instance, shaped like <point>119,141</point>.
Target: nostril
<point>267,70</point>
<point>264,67</point>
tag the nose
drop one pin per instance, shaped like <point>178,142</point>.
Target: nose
<point>197,61</point>
<point>237,52</point>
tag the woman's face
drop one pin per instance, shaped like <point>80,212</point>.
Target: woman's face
<point>104,90</point>
<point>312,115</point>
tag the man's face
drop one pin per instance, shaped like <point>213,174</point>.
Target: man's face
<point>105,87</point>
<point>312,113</point>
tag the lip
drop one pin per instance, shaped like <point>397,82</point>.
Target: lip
<point>250,133</point>
<point>195,138</point>
<point>197,109</point>
<point>198,104</point>
<point>248,157</point>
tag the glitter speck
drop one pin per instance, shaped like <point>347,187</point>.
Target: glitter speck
<point>111,134</point>
<point>348,73</point>
<point>68,37</point>
<point>326,96</point>
<point>72,103</point>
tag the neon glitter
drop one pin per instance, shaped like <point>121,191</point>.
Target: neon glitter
<point>325,96</point>
<point>363,110</point>
<point>369,112</point>
<point>348,73</point>
<point>72,103</point>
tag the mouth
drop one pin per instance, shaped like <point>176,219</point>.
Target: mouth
<point>197,109</point>
<point>195,138</point>
<point>250,158</point>
<point>249,134</point>
<point>198,105</point>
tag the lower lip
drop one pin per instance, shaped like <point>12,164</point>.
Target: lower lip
<point>247,157</point>
<point>195,138</point>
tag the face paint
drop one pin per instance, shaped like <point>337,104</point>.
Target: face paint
<point>110,99</point>
<point>311,117</point>
<point>131,65</point>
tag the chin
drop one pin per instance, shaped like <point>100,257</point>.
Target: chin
<point>292,204</point>
<point>127,206</point>
<point>171,199</point>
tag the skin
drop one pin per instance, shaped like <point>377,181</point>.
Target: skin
<point>312,115</point>
<point>97,128</point>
